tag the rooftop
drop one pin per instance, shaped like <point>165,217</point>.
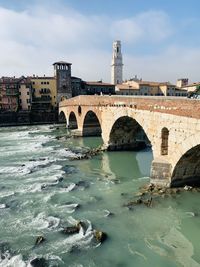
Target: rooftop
<point>62,63</point>
<point>99,83</point>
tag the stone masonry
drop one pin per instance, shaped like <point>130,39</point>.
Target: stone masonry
<point>179,115</point>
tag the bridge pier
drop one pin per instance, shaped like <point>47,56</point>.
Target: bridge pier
<point>77,133</point>
<point>161,172</point>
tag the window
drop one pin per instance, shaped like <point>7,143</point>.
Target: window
<point>164,141</point>
<point>28,93</point>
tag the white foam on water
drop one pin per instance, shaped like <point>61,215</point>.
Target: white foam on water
<point>68,188</point>
<point>18,143</point>
<point>190,214</point>
<point>70,208</point>
<point>67,153</point>
<point>42,222</point>
<point>30,188</point>
<point>26,168</point>
<point>6,194</point>
<point>2,206</point>
<point>15,261</point>
<point>143,178</point>
<point>80,240</point>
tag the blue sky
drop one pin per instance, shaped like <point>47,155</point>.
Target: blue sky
<point>160,38</point>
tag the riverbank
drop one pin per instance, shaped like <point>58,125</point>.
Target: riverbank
<point>22,118</point>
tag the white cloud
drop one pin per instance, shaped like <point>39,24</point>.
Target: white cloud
<point>175,62</point>
<point>151,26</point>
<point>31,40</point>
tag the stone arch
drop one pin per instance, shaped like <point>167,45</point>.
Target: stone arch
<point>164,141</point>
<point>72,123</point>
<point>187,169</point>
<point>62,117</point>
<point>184,146</point>
<point>91,124</point>
<point>127,134</point>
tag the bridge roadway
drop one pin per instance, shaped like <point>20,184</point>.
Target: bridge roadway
<point>170,124</point>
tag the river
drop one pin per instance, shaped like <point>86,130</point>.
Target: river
<point>42,190</point>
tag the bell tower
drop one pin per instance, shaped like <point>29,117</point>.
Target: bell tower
<point>117,64</point>
<point>62,73</point>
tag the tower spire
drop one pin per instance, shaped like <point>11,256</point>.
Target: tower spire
<point>117,64</point>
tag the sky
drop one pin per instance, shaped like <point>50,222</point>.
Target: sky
<point>160,38</point>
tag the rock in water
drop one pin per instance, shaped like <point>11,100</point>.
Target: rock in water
<point>39,262</point>
<point>40,239</point>
<point>71,230</point>
<point>100,236</point>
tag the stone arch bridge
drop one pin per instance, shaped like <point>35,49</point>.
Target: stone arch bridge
<point>171,126</point>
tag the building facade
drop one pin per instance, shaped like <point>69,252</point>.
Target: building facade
<point>99,88</point>
<point>117,64</point>
<point>25,94</point>
<point>147,88</point>
<point>44,93</point>
<point>9,88</point>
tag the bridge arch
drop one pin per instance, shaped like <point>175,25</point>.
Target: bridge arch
<point>72,123</point>
<point>62,118</point>
<point>187,169</point>
<point>187,158</point>
<point>127,134</point>
<point>91,124</point>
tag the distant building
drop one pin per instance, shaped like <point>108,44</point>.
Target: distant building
<point>44,93</point>
<point>117,64</point>
<point>98,88</point>
<point>78,87</point>
<point>147,88</point>
<point>191,87</point>
<point>182,82</point>
<point>25,94</point>
<point>9,93</point>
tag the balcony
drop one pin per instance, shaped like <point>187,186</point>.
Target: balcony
<point>12,92</point>
<point>45,91</point>
<point>42,99</point>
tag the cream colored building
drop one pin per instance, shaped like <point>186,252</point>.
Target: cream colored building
<point>25,94</point>
<point>148,88</point>
<point>44,92</point>
<point>191,87</point>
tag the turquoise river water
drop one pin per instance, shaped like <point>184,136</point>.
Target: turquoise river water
<point>43,190</point>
